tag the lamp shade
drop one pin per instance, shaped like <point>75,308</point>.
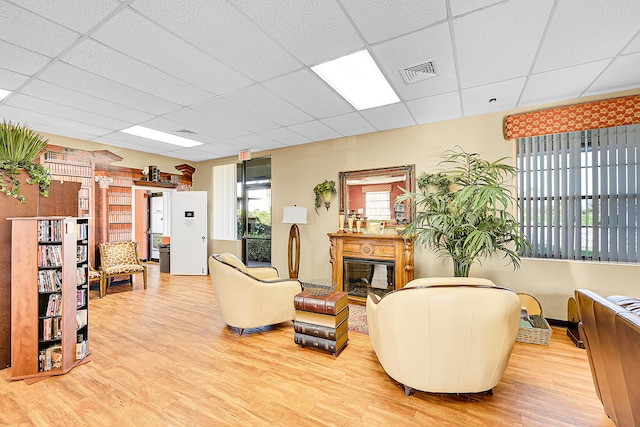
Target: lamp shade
<point>294,215</point>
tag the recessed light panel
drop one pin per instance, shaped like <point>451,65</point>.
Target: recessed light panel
<point>156,135</point>
<point>4,93</point>
<point>358,79</point>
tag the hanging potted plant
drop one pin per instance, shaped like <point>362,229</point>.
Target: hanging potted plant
<point>324,193</point>
<point>469,214</point>
<point>19,147</point>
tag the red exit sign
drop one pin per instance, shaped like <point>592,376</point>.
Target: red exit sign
<point>244,155</point>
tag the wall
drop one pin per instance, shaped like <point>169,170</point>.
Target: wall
<point>130,158</point>
<point>297,169</point>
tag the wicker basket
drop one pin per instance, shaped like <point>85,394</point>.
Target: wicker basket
<point>541,331</point>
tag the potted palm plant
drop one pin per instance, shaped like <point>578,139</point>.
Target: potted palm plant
<point>19,147</point>
<point>467,215</point>
<point>324,193</point>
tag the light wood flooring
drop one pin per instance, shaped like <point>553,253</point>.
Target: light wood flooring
<point>165,357</point>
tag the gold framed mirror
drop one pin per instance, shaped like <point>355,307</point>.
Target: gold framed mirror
<point>372,193</point>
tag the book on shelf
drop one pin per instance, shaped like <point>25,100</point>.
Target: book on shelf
<point>54,306</point>
<point>321,331</point>
<point>49,280</point>
<point>325,304</point>
<point>327,320</point>
<point>334,346</point>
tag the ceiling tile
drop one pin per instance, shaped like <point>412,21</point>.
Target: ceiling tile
<point>224,32</point>
<point>204,123</point>
<point>20,60</point>
<point>622,74</point>
<point>389,117</point>
<point>79,15</point>
<point>382,19</point>
<point>99,59</point>
<point>567,83</point>
<point>314,32</point>
<point>286,136</point>
<point>25,29</point>
<point>91,84</point>
<point>601,32</point>
<point>223,111</point>
<point>264,103</point>
<point>60,95</point>
<point>461,7</point>
<point>222,149</point>
<point>475,101</point>
<point>418,47</point>
<point>256,142</point>
<point>38,121</point>
<point>10,80</point>
<point>510,32</point>
<point>133,142</point>
<point>436,108</point>
<point>37,105</point>
<point>634,46</point>
<point>160,49</point>
<point>315,131</point>
<point>304,89</point>
<point>349,124</point>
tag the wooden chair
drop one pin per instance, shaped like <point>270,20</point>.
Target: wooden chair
<point>95,275</point>
<point>119,259</point>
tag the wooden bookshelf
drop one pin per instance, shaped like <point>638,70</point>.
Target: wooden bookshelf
<point>44,285</point>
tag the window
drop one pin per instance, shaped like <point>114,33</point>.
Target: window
<point>378,204</point>
<point>578,194</point>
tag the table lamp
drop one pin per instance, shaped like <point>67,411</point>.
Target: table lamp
<point>294,215</point>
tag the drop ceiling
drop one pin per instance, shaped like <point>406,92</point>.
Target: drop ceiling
<point>237,73</point>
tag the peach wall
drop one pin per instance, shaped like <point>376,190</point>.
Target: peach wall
<point>297,169</point>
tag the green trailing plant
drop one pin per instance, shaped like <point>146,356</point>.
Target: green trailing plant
<point>470,216</point>
<point>19,147</point>
<point>324,193</point>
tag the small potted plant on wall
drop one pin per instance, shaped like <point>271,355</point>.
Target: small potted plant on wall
<point>465,213</point>
<point>324,193</point>
<point>19,147</point>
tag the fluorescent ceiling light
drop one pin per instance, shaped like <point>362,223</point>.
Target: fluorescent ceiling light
<point>358,79</point>
<point>4,93</point>
<point>161,136</point>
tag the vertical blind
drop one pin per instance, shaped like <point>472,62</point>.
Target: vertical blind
<point>224,208</point>
<point>578,194</point>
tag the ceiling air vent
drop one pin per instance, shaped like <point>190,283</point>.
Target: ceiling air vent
<point>418,72</point>
<point>186,131</point>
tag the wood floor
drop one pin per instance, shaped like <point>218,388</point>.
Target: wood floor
<point>165,357</point>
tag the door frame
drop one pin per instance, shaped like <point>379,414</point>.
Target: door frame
<point>134,224</point>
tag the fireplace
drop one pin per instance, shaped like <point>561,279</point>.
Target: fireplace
<point>363,263</point>
<point>362,276</point>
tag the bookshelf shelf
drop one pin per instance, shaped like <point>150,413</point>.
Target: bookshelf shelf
<point>48,337</point>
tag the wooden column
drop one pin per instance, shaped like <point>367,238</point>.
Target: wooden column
<point>104,180</point>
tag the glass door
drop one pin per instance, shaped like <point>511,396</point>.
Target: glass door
<point>254,211</point>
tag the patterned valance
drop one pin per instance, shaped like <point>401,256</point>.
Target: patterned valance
<point>591,115</point>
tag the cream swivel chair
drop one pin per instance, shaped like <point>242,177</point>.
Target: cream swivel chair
<point>445,335</point>
<point>250,297</point>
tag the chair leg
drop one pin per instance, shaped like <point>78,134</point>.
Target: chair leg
<point>144,276</point>
<point>131,280</point>
<point>407,390</point>
<point>102,288</point>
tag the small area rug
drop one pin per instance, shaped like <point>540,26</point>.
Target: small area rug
<point>358,319</point>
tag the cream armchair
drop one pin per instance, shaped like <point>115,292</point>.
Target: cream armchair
<point>445,335</point>
<point>250,297</point>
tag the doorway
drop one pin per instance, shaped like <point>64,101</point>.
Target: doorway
<point>254,211</point>
<point>156,225</point>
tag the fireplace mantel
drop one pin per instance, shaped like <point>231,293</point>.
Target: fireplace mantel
<point>392,250</point>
